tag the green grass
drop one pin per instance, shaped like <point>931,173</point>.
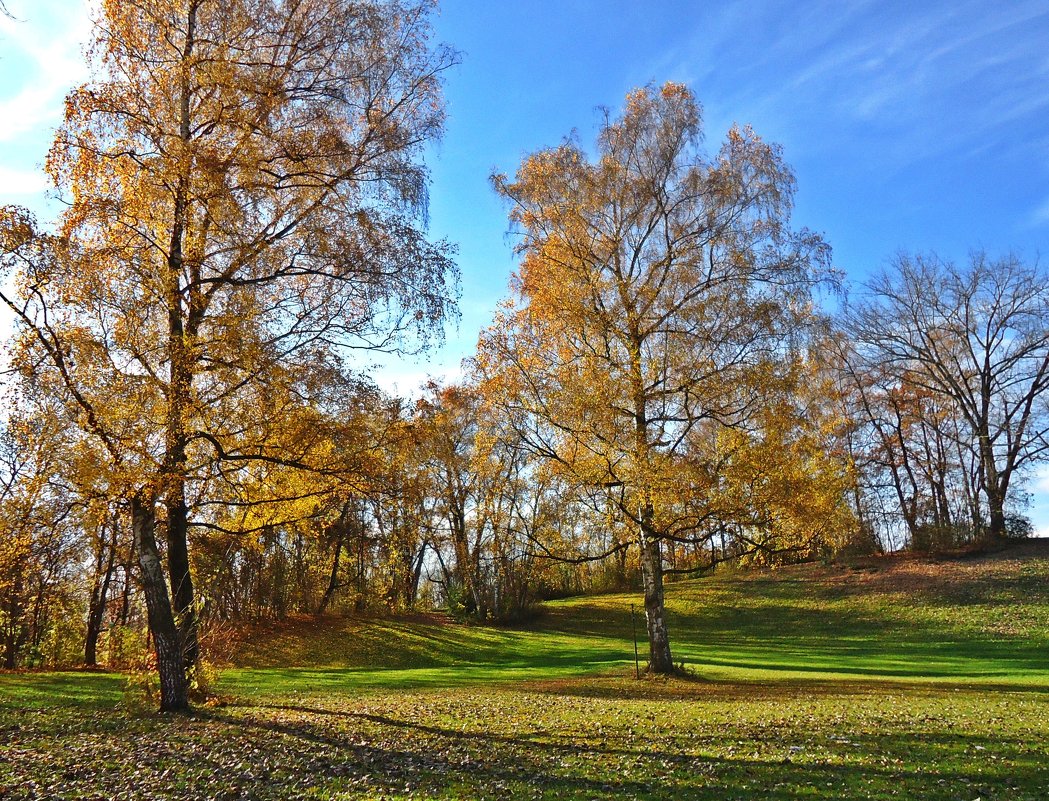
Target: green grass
<point>73,689</point>
<point>977,622</point>
<point>901,680</point>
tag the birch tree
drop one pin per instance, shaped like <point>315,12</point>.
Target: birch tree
<point>655,290</point>
<point>245,190</point>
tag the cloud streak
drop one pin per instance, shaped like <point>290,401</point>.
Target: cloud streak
<point>16,182</point>
<point>1039,218</point>
<point>44,60</point>
<point>937,77</point>
<point>41,60</point>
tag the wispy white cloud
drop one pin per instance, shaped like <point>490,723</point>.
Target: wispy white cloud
<point>919,79</point>
<point>406,380</point>
<point>1041,479</point>
<point>1039,510</point>
<point>16,182</point>
<point>42,60</point>
<point>1040,217</point>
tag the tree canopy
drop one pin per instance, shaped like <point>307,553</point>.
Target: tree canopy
<point>245,184</point>
<point>657,295</point>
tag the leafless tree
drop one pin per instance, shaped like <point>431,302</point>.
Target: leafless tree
<point>976,337</point>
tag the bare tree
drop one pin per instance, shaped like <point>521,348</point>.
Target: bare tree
<point>977,337</point>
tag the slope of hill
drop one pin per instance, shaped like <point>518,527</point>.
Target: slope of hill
<point>980,620</point>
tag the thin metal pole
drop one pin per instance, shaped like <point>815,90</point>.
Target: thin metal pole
<point>633,625</point>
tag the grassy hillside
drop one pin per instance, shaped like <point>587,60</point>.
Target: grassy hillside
<point>892,679</point>
<point>978,621</point>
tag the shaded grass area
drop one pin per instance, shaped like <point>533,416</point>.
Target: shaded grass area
<point>587,738</point>
<point>377,654</point>
<point>900,679</point>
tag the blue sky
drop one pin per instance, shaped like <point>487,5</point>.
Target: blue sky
<point>910,125</point>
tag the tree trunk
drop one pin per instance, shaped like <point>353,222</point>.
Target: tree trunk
<point>167,643</point>
<point>181,581</point>
<point>995,494</point>
<point>417,571</point>
<point>16,644</point>
<point>659,658</point>
<point>39,617</point>
<point>15,631</point>
<point>97,607</point>
<point>994,486</point>
<point>125,592</point>
<point>997,510</point>
<point>94,627</point>
<point>180,381</point>
<point>464,572</point>
<point>333,577</point>
<point>477,587</point>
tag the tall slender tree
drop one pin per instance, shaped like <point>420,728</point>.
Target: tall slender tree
<point>655,290</point>
<point>245,188</point>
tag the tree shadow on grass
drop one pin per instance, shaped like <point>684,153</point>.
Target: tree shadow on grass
<point>444,761</point>
<point>533,742</point>
<point>432,758</point>
<point>559,663</point>
<point>624,687</point>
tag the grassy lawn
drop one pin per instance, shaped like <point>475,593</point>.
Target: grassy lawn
<point>898,680</point>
